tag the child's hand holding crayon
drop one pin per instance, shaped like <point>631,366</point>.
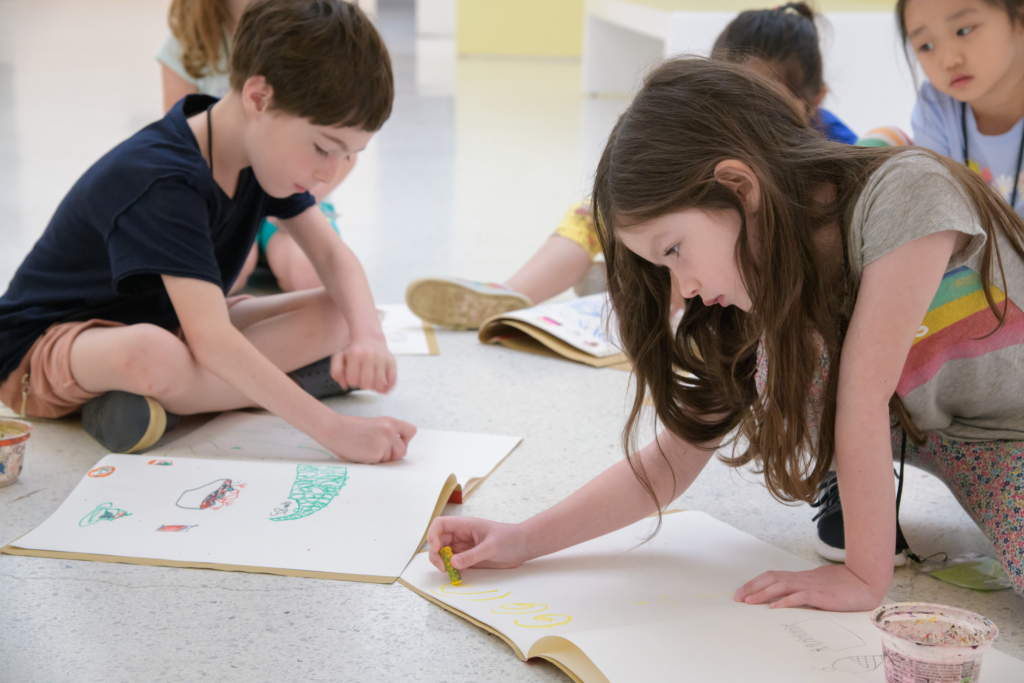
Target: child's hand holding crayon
<point>368,439</point>
<point>477,543</point>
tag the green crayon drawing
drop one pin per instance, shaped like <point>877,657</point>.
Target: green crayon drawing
<point>314,488</point>
<point>104,512</point>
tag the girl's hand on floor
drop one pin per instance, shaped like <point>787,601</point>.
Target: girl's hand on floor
<point>831,587</point>
<point>366,364</point>
<point>369,439</point>
<point>477,543</point>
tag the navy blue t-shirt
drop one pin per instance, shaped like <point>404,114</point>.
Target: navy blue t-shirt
<point>149,207</point>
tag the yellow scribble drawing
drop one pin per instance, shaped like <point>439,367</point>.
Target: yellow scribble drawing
<point>496,597</point>
<point>519,608</point>
<point>555,619</point>
<point>640,603</point>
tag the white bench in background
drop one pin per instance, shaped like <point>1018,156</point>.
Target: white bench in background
<point>870,83</point>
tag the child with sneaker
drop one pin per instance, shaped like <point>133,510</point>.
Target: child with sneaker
<point>781,43</point>
<point>195,59</point>
<point>845,305</point>
<point>971,109</point>
<point>120,306</point>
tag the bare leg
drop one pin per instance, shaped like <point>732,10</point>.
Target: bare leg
<point>556,266</point>
<point>290,265</point>
<point>247,268</point>
<point>150,361</point>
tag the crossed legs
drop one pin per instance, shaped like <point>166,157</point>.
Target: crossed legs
<point>292,330</point>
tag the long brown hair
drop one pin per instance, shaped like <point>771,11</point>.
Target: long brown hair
<point>199,25</point>
<point>660,158</point>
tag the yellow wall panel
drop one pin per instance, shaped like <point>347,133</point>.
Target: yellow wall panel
<point>542,28</point>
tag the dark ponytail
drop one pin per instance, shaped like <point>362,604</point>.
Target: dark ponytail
<point>785,38</point>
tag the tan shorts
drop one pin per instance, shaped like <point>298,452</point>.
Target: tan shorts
<point>42,384</point>
<point>45,371</point>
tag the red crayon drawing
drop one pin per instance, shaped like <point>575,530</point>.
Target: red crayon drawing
<point>213,496</point>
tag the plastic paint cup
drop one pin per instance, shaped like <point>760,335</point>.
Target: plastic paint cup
<point>927,643</point>
<point>13,436</point>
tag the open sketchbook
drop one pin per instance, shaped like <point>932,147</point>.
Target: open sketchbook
<point>263,436</point>
<point>405,334</point>
<point>578,330</point>
<point>611,611</point>
<point>351,522</point>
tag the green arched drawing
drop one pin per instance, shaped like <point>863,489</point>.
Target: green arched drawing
<point>314,488</point>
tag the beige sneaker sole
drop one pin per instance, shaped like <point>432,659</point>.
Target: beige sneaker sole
<point>449,303</point>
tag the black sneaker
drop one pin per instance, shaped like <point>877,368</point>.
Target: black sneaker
<point>126,423</point>
<point>315,379</point>
<point>830,539</point>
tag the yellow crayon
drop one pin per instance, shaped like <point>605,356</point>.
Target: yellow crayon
<point>453,573</point>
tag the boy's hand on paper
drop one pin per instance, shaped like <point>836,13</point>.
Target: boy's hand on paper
<point>831,587</point>
<point>370,439</point>
<point>365,363</point>
<point>476,543</point>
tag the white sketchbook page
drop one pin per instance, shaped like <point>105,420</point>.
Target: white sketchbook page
<point>262,436</point>
<point>775,646</point>
<point>665,609</point>
<point>350,519</point>
<point>582,323</point>
<point>403,331</point>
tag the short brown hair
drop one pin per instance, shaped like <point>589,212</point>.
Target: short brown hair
<point>324,59</point>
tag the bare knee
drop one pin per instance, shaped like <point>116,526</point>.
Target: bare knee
<point>290,265</point>
<point>153,362</point>
<point>333,324</point>
<point>247,268</point>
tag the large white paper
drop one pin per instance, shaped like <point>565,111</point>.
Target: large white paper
<point>584,323</point>
<point>664,611</point>
<point>348,519</point>
<point>405,334</point>
<point>262,436</point>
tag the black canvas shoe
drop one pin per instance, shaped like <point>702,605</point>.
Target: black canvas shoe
<point>315,379</point>
<point>126,423</point>
<point>830,539</point>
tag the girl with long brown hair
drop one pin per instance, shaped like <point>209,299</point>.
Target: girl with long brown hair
<point>845,306</point>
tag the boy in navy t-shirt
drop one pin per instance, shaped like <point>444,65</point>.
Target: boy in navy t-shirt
<point>120,307</point>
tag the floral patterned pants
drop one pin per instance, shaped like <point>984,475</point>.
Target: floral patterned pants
<point>987,478</point>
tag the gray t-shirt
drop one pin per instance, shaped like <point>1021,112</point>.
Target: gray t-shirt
<point>959,380</point>
<point>215,81</point>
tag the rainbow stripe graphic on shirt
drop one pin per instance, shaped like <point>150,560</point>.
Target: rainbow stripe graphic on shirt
<point>956,326</point>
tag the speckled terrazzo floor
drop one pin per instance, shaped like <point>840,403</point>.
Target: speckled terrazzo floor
<point>475,149</point>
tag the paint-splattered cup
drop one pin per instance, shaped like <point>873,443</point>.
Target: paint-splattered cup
<point>13,437</point>
<point>928,643</point>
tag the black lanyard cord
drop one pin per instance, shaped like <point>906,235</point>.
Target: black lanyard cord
<point>1020,154</point>
<point>901,540</point>
<point>209,136</point>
